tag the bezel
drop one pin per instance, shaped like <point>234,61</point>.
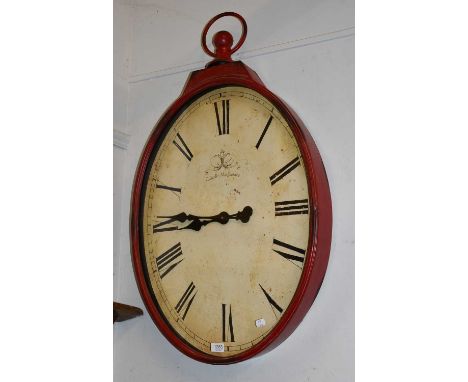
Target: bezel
<point>320,222</point>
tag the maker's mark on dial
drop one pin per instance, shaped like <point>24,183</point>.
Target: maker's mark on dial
<point>222,165</point>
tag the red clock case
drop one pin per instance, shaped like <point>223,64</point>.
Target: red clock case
<point>229,73</point>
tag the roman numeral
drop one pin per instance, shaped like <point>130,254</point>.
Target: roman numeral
<point>272,302</point>
<point>183,148</point>
<point>169,260</point>
<point>264,132</point>
<point>175,189</point>
<point>227,323</point>
<point>223,128</point>
<point>292,207</point>
<point>285,170</point>
<point>160,226</point>
<point>184,302</point>
<point>282,247</point>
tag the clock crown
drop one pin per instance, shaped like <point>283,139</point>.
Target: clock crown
<point>222,42</point>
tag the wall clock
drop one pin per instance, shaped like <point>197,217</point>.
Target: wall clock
<point>231,214</point>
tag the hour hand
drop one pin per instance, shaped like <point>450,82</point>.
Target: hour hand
<point>195,225</point>
<point>244,215</point>
<point>223,218</point>
<point>182,217</point>
<point>162,226</point>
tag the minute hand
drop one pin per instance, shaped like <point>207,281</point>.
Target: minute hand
<point>224,217</point>
<point>197,222</point>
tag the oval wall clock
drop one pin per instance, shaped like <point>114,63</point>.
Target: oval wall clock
<point>231,214</point>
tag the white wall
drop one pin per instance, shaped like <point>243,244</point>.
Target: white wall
<point>303,51</point>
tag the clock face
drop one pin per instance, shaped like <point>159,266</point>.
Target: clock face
<point>225,221</point>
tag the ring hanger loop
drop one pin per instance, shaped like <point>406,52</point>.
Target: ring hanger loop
<point>212,21</point>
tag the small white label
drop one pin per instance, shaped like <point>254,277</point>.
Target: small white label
<point>217,348</point>
<point>260,322</point>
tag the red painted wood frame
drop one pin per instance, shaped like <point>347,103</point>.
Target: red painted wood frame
<point>318,250</point>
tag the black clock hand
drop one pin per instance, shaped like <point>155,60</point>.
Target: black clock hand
<point>182,217</point>
<point>199,221</point>
<point>222,218</point>
<point>243,216</point>
<point>196,225</point>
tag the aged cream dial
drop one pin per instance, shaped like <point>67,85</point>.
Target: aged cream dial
<point>226,221</point>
